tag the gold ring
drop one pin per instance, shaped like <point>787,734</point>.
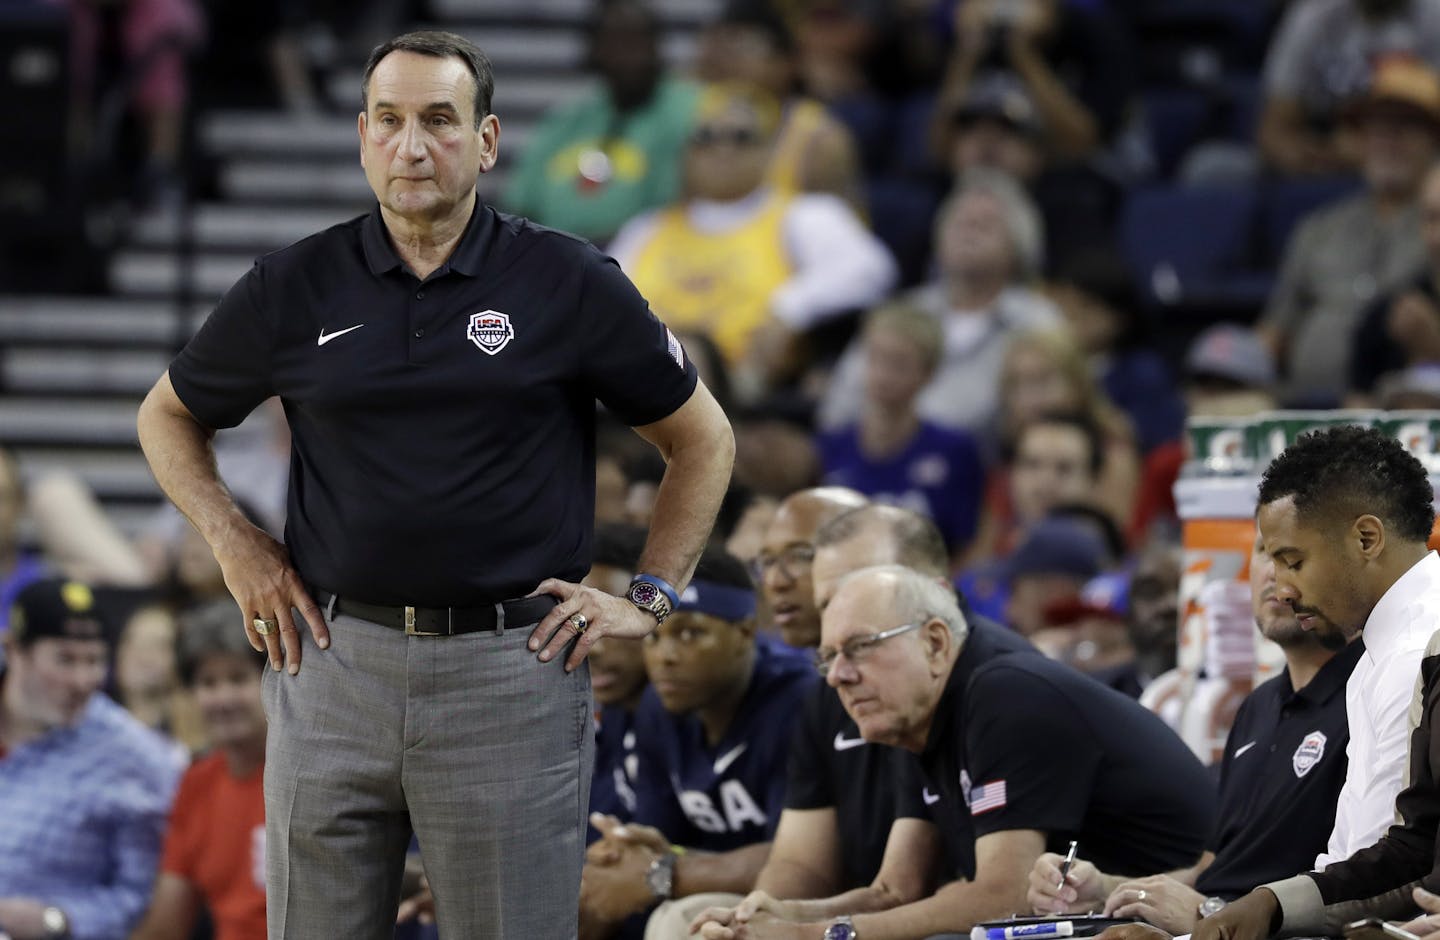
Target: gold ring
<point>579,623</point>
<point>264,625</point>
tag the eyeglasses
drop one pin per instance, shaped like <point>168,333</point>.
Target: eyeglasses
<point>857,647</point>
<point>734,136</point>
<point>793,560</point>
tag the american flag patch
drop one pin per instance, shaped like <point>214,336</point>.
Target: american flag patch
<point>986,797</point>
<point>677,352</point>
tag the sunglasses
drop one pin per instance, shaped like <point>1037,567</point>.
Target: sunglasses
<point>716,136</point>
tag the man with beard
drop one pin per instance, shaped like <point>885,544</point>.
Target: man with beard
<point>1346,513</point>
<point>1283,769</point>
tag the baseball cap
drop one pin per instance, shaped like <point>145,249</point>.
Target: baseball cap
<point>1229,351</point>
<point>55,608</point>
<point>1057,546</point>
<point>1405,83</point>
<point>1000,96</point>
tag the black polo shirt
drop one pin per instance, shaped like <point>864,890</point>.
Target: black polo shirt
<point>443,431</point>
<point>1281,775</point>
<point>1023,742</point>
<point>868,785</point>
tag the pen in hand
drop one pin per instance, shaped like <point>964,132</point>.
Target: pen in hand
<point>1065,865</point>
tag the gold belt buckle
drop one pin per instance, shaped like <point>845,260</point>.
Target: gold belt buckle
<point>410,625</point>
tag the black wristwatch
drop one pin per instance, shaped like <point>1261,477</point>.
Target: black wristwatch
<point>652,595</point>
<point>842,928</point>
<point>660,877</point>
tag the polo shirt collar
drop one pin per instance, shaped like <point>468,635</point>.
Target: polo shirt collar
<point>467,258</point>
<point>1387,623</point>
<point>1333,676</point>
<point>947,710</point>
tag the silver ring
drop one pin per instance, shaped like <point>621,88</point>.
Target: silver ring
<point>264,625</point>
<point>1141,895</point>
<point>579,623</point>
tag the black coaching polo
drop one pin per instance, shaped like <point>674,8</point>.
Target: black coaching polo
<point>1281,775</point>
<point>443,431</point>
<point>1024,742</point>
<point>868,785</point>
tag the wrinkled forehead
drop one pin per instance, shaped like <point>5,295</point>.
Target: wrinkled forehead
<point>860,606</point>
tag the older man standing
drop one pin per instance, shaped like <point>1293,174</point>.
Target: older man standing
<point>439,364</point>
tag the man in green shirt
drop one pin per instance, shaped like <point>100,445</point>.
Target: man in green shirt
<point>594,163</point>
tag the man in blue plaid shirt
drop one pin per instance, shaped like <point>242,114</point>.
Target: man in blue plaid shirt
<point>84,788</point>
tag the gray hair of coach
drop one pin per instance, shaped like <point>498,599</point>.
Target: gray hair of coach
<point>915,598</point>
<point>441,45</point>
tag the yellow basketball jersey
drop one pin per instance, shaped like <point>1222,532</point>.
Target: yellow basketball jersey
<point>717,283</point>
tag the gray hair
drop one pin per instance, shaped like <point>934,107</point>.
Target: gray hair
<point>917,542</point>
<point>211,629</point>
<point>915,598</point>
<point>437,44</point>
<point>1023,222</point>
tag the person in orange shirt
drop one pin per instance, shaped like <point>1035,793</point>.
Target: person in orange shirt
<point>215,848</point>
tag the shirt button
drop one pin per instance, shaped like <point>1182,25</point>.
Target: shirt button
<point>419,334</point>
<point>420,295</point>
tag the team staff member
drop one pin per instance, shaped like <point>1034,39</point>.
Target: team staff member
<point>439,364</point>
<point>711,733</point>
<point>1346,513</point>
<point>856,834</point>
<point>1283,768</point>
<point>1094,765</point>
<point>782,568</point>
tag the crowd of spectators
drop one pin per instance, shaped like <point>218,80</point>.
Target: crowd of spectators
<point>906,245</point>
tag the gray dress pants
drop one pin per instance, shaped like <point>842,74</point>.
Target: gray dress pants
<point>481,748</point>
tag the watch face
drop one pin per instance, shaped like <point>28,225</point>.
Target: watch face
<point>839,932</point>
<point>644,593</point>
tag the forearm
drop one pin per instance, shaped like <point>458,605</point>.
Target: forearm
<point>795,878</point>
<point>182,459</point>
<point>955,908</point>
<point>733,872</point>
<point>697,473</point>
<point>871,898</point>
<point>958,73</point>
<point>1072,130</point>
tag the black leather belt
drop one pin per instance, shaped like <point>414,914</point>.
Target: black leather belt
<point>440,621</point>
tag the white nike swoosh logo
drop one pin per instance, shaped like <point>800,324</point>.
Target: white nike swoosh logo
<point>325,338</point>
<point>728,758</point>
<point>930,798</point>
<point>1243,748</point>
<point>843,743</point>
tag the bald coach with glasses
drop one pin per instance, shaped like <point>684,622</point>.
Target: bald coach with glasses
<point>1018,753</point>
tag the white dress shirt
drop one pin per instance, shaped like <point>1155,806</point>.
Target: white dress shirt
<point>1377,700</point>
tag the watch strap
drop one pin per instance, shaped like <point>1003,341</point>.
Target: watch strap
<point>663,586</point>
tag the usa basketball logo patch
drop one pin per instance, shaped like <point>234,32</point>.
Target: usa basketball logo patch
<point>490,330</point>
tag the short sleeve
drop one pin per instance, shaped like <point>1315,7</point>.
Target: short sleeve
<point>634,365</point>
<point>655,801</point>
<point>909,786</point>
<point>808,786</point>
<point>182,842</point>
<point>224,372</point>
<point>1032,763</point>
